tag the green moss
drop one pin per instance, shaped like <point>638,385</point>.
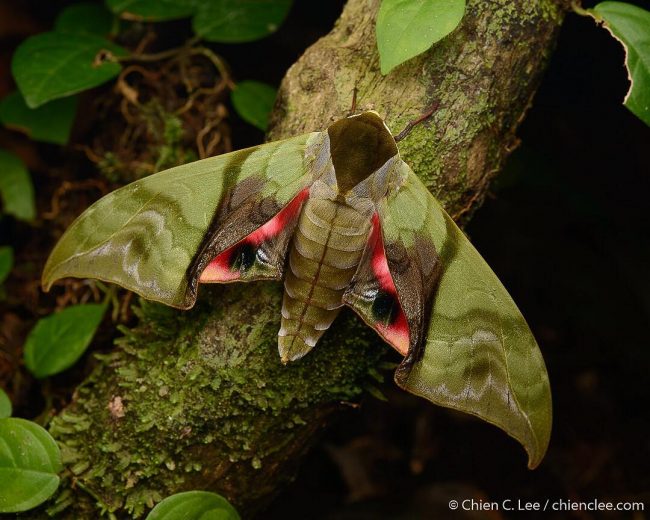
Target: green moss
<point>187,391</point>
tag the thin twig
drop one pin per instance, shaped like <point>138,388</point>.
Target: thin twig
<point>163,55</point>
<point>218,63</point>
<point>578,9</point>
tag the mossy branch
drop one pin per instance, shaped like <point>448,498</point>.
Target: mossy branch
<point>200,400</point>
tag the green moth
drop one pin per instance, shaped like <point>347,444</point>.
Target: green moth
<point>343,220</point>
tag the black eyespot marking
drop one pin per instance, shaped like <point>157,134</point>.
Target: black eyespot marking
<point>243,257</point>
<point>385,308</point>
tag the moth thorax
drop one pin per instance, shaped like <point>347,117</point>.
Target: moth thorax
<point>359,146</point>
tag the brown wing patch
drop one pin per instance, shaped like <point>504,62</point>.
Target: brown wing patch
<point>416,271</point>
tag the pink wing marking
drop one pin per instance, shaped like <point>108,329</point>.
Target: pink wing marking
<point>396,331</point>
<point>220,269</point>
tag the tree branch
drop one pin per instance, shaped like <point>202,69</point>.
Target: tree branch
<point>200,400</point>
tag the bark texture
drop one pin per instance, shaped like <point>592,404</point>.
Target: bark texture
<point>200,400</point>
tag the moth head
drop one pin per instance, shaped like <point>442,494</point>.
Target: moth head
<point>359,145</point>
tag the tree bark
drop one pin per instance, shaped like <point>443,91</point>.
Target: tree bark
<point>199,399</point>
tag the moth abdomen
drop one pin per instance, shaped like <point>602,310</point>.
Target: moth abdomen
<point>330,276</point>
<point>325,252</point>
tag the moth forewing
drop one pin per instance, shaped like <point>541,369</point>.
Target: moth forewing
<point>479,354</point>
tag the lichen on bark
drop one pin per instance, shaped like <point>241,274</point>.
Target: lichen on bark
<point>200,400</point>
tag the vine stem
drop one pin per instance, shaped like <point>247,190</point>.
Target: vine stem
<point>163,55</point>
<point>187,49</point>
<point>577,8</point>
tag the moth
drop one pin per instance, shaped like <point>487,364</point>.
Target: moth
<point>343,221</point>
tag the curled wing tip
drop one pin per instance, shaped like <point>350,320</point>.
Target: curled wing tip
<point>183,302</point>
<point>534,440</point>
<point>543,438</point>
<point>46,285</point>
<point>48,277</point>
<point>535,458</point>
<point>46,281</point>
<point>536,451</point>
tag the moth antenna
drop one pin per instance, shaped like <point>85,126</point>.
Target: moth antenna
<point>412,124</point>
<point>353,108</point>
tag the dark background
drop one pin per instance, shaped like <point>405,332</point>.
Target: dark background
<point>567,232</point>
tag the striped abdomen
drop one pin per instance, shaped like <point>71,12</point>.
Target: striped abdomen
<point>323,257</point>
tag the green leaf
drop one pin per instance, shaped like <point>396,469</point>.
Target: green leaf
<point>50,123</point>
<point>630,25</point>
<point>86,17</point>
<point>194,505</point>
<point>152,10</point>
<point>5,405</point>
<point>406,28</point>
<point>6,262</point>
<point>58,341</point>
<point>253,101</point>
<point>234,21</point>
<point>52,65</point>
<point>29,462</point>
<point>16,188</point>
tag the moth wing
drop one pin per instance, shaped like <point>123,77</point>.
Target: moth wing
<point>155,235</point>
<point>477,353</point>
